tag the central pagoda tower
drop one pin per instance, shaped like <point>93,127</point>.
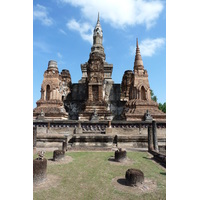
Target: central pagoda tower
<point>96,74</point>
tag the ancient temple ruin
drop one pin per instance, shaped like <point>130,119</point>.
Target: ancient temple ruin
<point>96,96</point>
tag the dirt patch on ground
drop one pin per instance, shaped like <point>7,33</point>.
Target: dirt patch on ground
<point>65,160</point>
<point>146,187</point>
<point>126,161</point>
<point>50,181</point>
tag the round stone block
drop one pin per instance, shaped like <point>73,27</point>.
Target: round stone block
<point>39,170</point>
<point>134,176</point>
<point>58,155</point>
<point>120,155</point>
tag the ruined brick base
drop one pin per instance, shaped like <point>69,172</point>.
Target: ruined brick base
<point>53,109</point>
<point>135,110</point>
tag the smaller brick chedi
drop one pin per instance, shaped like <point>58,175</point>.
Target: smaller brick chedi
<point>55,87</point>
<point>96,96</point>
<point>136,90</point>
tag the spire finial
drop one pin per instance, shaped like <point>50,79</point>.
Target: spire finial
<point>98,17</point>
<point>138,59</point>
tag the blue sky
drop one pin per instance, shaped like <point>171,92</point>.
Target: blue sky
<point>62,31</point>
<point>28,44</point>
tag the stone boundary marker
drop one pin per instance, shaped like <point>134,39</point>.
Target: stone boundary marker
<point>120,155</point>
<point>134,177</point>
<point>58,155</point>
<point>39,170</point>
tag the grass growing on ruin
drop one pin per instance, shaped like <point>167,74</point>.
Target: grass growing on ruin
<point>90,174</point>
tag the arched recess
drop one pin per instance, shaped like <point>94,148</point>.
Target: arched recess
<point>143,94</point>
<point>48,92</point>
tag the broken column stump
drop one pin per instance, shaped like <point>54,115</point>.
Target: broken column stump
<point>39,170</point>
<point>58,155</point>
<point>134,176</point>
<point>120,155</point>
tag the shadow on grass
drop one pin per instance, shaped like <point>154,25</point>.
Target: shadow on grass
<point>122,181</point>
<point>112,159</point>
<point>157,161</point>
<point>163,173</point>
<point>147,158</point>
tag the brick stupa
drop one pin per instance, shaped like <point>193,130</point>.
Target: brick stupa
<point>139,99</point>
<point>55,87</point>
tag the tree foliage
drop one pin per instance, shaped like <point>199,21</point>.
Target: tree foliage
<point>161,106</point>
<point>153,97</point>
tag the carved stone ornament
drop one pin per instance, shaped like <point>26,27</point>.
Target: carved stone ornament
<point>148,116</point>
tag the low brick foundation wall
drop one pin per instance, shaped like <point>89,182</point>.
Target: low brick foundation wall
<point>97,134</point>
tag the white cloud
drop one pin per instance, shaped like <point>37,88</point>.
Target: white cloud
<point>62,31</point>
<point>41,46</point>
<point>40,13</point>
<point>59,55</point>
<point>85,29</point>
<point>120,13</point>
<point>149,47</point>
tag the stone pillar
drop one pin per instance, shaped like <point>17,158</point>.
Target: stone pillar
<point>139,94</point>
<point>50,95</point>
<point>140,127</point>
<point>90,93</point>
<point>39,170</point>
<point>45,98</point>
<point>34,136</point>
<point>150,138</point>
<point>60,96</point>
<point>42,94</point>
<point>53,94</point>
<point>100,92</point>
<point>109,128</point>
<point>146,96</point>
<point>64,145</point>
<point>56,94</point>
<point>155,140</point>
<point>109,124</point>
<point>48,127</point>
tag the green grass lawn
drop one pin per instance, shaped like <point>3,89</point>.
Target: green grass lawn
<point>90,174</point>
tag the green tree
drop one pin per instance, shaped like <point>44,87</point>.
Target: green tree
<point>153,97</point>
<point>161,106</point>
